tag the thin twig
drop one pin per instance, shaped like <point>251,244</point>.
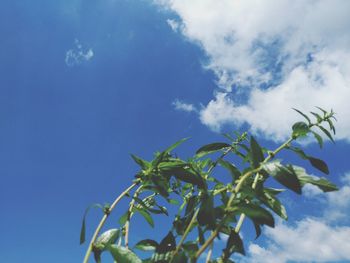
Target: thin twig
<point>127,223</point>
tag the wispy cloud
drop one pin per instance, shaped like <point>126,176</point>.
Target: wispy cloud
<point>78,54</point>
<point>183,106</point>
<point>279,53</point>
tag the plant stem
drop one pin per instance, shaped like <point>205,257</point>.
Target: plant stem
<point>187,231</point>
<point>104,218</point>
<point>236,190</point>
<point>193,219</point>
<point>210,252</point>
<point>127,223</point>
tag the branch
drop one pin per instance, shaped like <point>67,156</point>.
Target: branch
<point>104,218</point>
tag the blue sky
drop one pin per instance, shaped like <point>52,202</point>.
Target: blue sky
<point>85,83</point>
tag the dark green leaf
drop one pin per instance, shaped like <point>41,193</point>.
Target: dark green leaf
<point>235,173</point>
<point>167,244</point>
<point>315,162</point>
<point>211,148</point>
<point>146,215</point>
<point>83,225</point>
<point>319,164</point>
<point>206,214</point>
<point>123,255</point>
<point>326,132</point>
<point>201,238</point>
<point>146,245</point>
<point>304,115</point>
<point>257,230</point>
<point>180,258</point>
<point>300,129</point>
<point>234,244</point>
<point>257,155</point>
<point>191,204</point>
<point>284,175</point>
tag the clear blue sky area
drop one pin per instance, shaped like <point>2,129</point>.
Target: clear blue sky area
<point>66,130</point>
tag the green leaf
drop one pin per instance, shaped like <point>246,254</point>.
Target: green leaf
<point>123,255</point>
<point>233,244</point>
<point>285,175</point>
<point>142,163</point>
<point>304,115</point>
<point>331,126</point>
<point>175,145</point>
<point>300,129</point>
<point>257,155</point>
<point>146,245</point>
<point>180,258</point>
<point>318,117</point>
<point>274,204</point>
<point>235,173</point>
<point>146,215</point>
<point>318,138</point>
<point>83,225</point>
<point>123,218</point>
<point>211,148</point>
<point>321,183</point>
<point>326,132</point>
<point>256,213</point>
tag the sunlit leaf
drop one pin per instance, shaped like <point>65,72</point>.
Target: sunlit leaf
<point>322,183</point>
<point>107,238</point>
<point>284,175</point>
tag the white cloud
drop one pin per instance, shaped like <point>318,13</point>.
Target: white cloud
<point>320,239</point>
<point>183,106</point>
<point>78,54</point>
<point>297,49</point>
<point>175,26</point>
<point>309,240</point>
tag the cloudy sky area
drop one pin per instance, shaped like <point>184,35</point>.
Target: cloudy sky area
<point>84,83</point>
